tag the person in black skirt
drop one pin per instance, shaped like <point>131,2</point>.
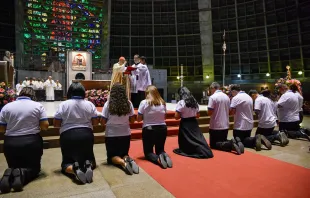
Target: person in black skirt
<point>21,121</point>
<point>76,118</point>
<point>117,113</point>
<point>152,111</point>
<point>192,143</point>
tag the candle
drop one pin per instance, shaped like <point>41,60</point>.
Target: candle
<point>181,70</point>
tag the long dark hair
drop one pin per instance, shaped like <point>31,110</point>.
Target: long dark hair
<point>76,89</point>
<point>118,102</point>
<point>28,92</point>
<point>188,98</point>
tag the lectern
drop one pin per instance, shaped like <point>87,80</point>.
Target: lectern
<point>6,73</point>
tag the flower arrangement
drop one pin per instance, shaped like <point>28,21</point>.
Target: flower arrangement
<point>97,97</point>
<point>289,81</point>
<point>6,94</point>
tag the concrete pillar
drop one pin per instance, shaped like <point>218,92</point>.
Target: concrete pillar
<point>205,20</point>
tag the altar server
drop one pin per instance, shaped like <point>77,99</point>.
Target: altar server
<point>49,89</point>
<point>117,113</point>
<point>19,87</point>
<point>218,109</point>
<point>21,121</point>
<point>152,111</point>
<point>242,109</point>
<point>58,86</point>
<point>191,141</point>
<point>26,81</point>
<point>76,118</point>
<point>143,79</point>
<point>39,85</point>
<point>267,120</point>
<point>297,92</point>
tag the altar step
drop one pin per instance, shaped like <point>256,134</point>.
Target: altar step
<point>51,136</point>
<point>51,140</point>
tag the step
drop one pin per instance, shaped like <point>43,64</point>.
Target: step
<point>136,134</point>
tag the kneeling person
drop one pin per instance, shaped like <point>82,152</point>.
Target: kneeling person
<point>242,109</point>
<point>267,120</point>
<point>191,141</point>
<point>152,111</point>
<point>21,121</point>
<point>117,112</point>
<point>76,118</point>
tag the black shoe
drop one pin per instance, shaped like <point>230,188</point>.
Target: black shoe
<point>18,180</point>
<point>128,168</point>
<point>258,142</point>
<point>80,175</point>
<point>282,138</point>
<point>162,161</point>
<point>168,160</point>
<point>133,164</point>
<point>88,171</point>
<point>266,142</point>
<point>302,134</point>
<point>235,146</point>
<point>5,183</point>
<point>240,144</point>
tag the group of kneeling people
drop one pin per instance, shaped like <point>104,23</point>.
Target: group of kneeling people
<point>22,120</point>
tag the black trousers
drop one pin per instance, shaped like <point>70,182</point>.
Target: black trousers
<point>24,152</point>
<point>136,98</point>
<point>301,116</point>
<point>154,136</point>
<point>292,128</point>
<point>245,137</point>
<point>218,140</point>
<point>117,146</point>
<point>77,146</point>
<point>268,133</point>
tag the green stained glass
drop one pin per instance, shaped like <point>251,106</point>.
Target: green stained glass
<point>27,35</point>
<point>55,24</point>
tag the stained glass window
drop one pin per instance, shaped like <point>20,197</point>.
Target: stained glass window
<point>51,27</point>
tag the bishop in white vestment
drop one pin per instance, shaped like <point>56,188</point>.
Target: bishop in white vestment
<point>49,89</point>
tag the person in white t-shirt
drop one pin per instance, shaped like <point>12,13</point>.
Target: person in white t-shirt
<point>21,122</point>
<point>301,133</point>
<point>152,111</point>
<point>117,113</point>
<point>288,112</point>
<point>191,141</point>
<point>76,118</point>
<point>267,120</point>
<point>218,109</point>
<point>242,109</point>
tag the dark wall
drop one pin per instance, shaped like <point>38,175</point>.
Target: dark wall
<point>7,23</point>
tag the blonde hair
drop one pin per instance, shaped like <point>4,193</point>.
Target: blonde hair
<point>153,97</point>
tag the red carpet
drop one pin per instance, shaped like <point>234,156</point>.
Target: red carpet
<point>227,175</point>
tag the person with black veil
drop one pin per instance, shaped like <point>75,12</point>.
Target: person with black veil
<point>191,141</point>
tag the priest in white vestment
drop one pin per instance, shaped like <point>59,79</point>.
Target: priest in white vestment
<point>49,89</point>
<point>118,75</point>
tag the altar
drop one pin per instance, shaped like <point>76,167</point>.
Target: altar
<point>6,73</point>
<point>96,84</point>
